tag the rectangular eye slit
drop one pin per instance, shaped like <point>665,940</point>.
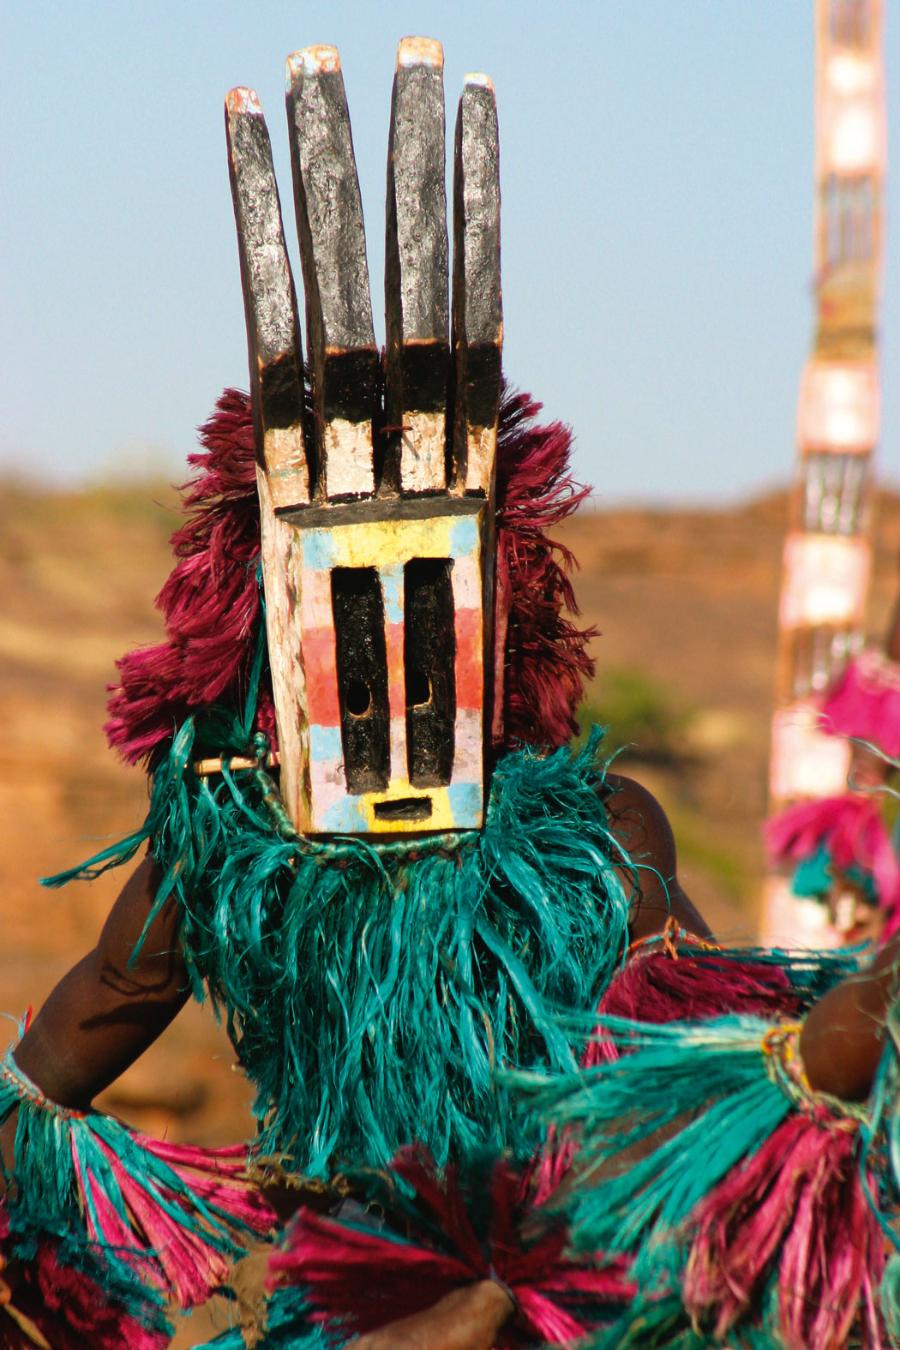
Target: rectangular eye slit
<point>362,677</point>
<point>429,662</point>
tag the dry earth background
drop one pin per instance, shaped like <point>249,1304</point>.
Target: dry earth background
<point>686,602</point>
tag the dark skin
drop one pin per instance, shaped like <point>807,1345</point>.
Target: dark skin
<point>641,829</point>
<point>104,1014</point>
<point>843,1035</point>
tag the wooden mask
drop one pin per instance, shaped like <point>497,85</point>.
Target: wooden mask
<point>377,507</point>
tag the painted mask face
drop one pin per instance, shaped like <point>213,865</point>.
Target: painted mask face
<point>391,632</point>
<point>377,548</point>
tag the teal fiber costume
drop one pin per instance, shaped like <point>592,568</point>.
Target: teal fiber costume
<point>370,994</point>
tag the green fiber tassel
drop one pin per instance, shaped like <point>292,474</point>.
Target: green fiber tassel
<point>44,1204</point>
<point>372,991</point>
<point>112,1208</point>
<point>646,1101</point>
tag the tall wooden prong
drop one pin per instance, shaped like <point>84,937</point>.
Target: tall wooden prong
<point>477,297</point>
<point>340,335</point>
<point>416,272</point>
<point>270,304</point>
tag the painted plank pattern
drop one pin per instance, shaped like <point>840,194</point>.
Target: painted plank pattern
<point>376,502</point>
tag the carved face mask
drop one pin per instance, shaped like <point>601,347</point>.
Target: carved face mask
<point>377,517</point>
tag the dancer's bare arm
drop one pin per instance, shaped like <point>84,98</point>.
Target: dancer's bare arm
<point>641,828</point>
<point>105,1012</point>
<point>843,1036</point>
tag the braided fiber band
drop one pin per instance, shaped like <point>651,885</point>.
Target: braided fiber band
<point>781,1047</point>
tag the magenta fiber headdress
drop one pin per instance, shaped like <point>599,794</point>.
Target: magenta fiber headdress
<point>544,654</point>
<point>211,601</point>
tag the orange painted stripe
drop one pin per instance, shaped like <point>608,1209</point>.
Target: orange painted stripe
<point>393,636</point>
<point>319,660</point>
<point>469,660</point>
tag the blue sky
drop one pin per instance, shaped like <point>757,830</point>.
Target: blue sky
<point>657,196</point>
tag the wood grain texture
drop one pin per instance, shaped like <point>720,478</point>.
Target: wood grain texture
<point>280,547</point>
<point>343,356</point>
<point>417,272</point>
<point>270,302</point>
<point>477,295</point>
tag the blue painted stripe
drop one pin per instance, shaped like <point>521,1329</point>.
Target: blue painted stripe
<point>344,817</point>
<point>466,801</point>
<point>392,589</point>
<point>318,550</point>
<point>464,536</point>
<point>325,743</point>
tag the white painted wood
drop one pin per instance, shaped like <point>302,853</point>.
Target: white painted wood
<point>422,451</point>
<point>349,470</point>
<point>281,574</point>
<point>284,452</point>
<point>482,447</point>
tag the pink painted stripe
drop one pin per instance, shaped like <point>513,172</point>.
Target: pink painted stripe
<point>315,600</point>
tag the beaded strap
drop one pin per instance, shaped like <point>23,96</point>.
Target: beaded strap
<point>27,1091</point>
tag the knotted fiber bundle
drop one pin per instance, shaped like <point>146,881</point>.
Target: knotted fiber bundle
<point>749,1206</point>
<point>445,1230</point>
<point>147,1222</point>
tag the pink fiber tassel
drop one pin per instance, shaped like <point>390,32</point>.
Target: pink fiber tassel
<point>866,703</point>
<point>66,1308</point>
<point>797,1204</point>
<point>551,1166</point>
<point>853,831</point>
<point>662,984</point>
<point>368,1279</point>
<point>219,1177</point>
<point>179,1257</point>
